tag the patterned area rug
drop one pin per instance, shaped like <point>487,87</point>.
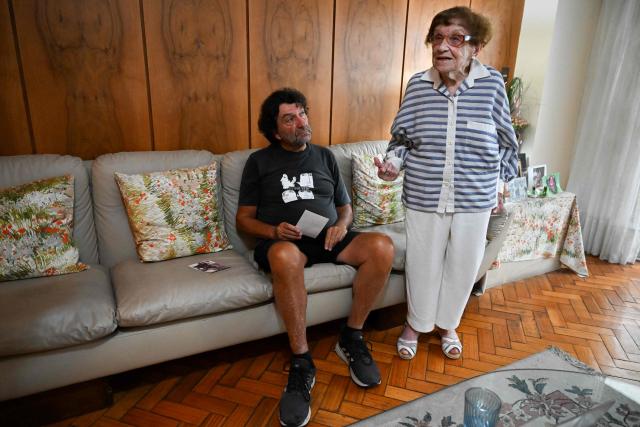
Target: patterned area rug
<point>547,388</point>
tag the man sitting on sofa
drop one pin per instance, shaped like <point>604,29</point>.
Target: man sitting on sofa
<point>279,183</point>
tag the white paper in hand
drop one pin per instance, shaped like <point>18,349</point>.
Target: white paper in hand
<point>311,224</point>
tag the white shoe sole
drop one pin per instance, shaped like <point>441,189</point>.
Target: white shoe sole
<point>353,376</point>
<point>304,423</point>
<point>306,420</point>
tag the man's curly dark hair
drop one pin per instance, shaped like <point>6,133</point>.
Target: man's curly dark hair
<point>268,120</point>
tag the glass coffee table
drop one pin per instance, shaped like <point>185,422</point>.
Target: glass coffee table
<point>531,397</point>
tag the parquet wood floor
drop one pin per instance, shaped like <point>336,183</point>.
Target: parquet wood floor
<point>596,319</point>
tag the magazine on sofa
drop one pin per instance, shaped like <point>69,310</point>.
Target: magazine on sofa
<point>208,266</point>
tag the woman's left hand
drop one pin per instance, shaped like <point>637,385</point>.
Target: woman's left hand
<point>500,208</point>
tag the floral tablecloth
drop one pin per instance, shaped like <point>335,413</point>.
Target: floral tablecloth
<point>545,228</point>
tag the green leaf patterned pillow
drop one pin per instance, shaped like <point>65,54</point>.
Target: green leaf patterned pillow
<point>375,201</point>
<point>174,213</point>
<point>36,227</point>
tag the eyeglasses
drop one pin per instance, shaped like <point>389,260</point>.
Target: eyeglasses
<point>290,119</point>
<point>455,40</point>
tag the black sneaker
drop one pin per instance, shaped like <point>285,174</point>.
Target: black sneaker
<point>354,351</point>
<point>295,403</point>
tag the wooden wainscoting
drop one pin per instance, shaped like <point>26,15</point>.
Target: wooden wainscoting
<point>91,77</point>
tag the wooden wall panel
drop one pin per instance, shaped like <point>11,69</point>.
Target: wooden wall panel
<point>14,127</point>
<point>367,74</point>
<point>94,71</point>
<point>291,44</point>
<point>85,77</point>
<point>417,56</point>
<point>517,12</point>
<point>197,54</point>
<point>506,17</point>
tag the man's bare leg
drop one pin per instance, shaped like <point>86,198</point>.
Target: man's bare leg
<point>372,254</point>
<point>287,270</point>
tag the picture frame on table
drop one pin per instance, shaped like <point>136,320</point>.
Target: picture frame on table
<point>535,176</point>
<point>522,165</point>
<point>517,188</point>
<point>552,181</point>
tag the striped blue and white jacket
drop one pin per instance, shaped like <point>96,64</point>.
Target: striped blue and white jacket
<point>454,149</point>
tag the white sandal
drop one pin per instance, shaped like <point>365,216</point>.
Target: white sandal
<point>449,344</point>
<point>407,349</point>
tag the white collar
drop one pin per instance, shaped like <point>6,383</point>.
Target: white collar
<point>476,71</point>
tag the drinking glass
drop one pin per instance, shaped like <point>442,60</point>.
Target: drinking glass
<point>481,407</point>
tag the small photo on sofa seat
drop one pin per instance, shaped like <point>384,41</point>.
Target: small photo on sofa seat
<point>208,266</point>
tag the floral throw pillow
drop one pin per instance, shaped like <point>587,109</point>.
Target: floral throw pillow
<point>36,227</point>
<point>174,213</point>
<point>375,201</point>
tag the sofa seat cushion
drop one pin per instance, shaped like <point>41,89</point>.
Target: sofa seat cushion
<point>151,293</point>
<point>47,313</point>
<point>397,234</point>
<point>326,276</point>
<point>323,276</point>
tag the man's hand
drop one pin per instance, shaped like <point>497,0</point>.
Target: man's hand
<point>335,234</point>
<point>286,231</point>
<point>386,170</point>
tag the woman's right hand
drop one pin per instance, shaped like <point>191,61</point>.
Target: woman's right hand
<point>386,170</point>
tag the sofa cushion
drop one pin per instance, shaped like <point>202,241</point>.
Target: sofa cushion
<point>344,152</point>
<point>232,167</point>
<point>174,213</point>
<point>47,313</point>
<point>115,239</point>
<point>17,170</point>
<point>397,234</point>
<point>344,155</point>
<point>36,220</point>
<point>150,293</point>
<point>375,201</point>
<point>326,276</point>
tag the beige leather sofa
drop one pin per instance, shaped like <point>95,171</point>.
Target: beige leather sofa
<point>123,314</point>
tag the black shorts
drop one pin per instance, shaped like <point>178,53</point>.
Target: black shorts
<point>312,248</point>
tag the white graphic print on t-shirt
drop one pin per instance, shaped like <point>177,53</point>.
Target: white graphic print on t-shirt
<point>301,190</point>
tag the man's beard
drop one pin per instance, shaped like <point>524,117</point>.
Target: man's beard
<point>299,138</point>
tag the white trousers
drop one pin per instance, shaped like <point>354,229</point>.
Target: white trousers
<point>444,252</point>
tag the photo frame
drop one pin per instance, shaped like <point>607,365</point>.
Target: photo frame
<point>517,188</point>
<point>552,182</point>
<point>522,165</point>
<point>535,176</point>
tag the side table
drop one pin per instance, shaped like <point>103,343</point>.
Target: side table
<point>544,235</point>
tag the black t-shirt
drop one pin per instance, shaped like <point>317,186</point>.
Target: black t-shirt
<point>282,184</point>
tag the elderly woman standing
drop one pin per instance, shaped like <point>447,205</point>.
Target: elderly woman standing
<point>454,138</point>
